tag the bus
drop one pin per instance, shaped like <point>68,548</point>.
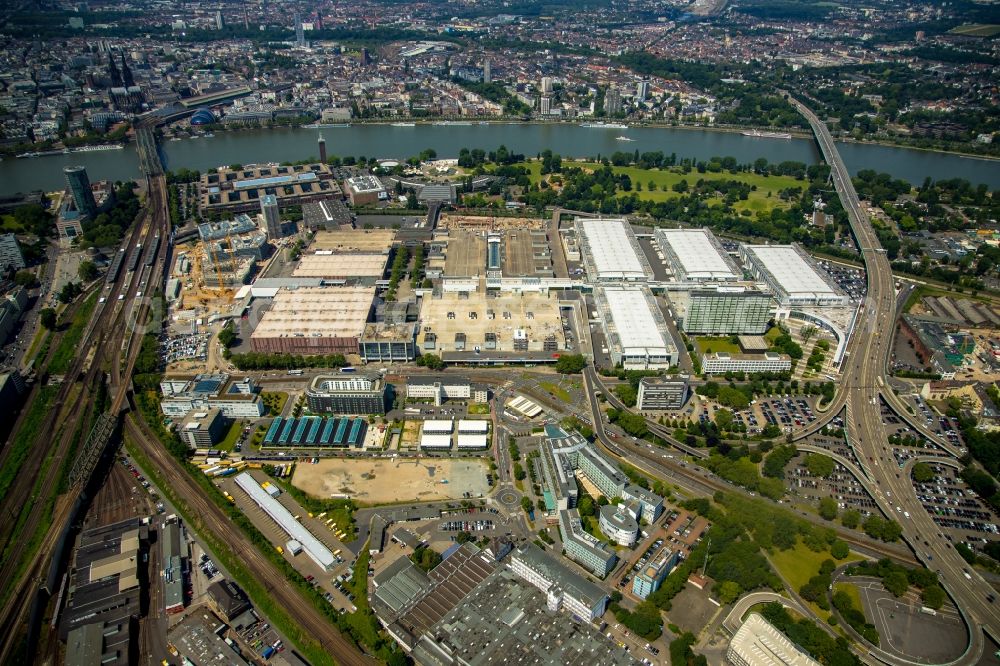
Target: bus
<point>348,369</point>
<point>295,372</point>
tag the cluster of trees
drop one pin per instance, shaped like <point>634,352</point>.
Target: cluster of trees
<point>897,579</point>
<point>815,588</point>
<point>682,654</point>
<point>786,345</point>
<point>425,557</point>
<point>777,459</point>
<point>430,361</point>
<point>477,157</point>
<point>761,109</point>
<point>644,621</point>
<point>265,361</point>
<point>632,423</point>
<point>69,292</point>
<point>107,228</point>
<point>879,528</point>
<point>399,264</point>
<point>741,470</point>
<point>570,364</point>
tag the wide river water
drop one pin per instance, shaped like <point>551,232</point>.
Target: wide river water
<point>386,141</point>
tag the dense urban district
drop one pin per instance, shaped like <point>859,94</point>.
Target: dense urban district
<point>499,407</point>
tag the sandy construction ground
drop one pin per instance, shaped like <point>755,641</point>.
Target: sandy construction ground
<point>392,481</point>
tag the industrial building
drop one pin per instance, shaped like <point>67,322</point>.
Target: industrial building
<point>611,251</point>
<point>473,434</point>
<point>364,190</point>
<point>331,265</point>
<point>173,559</point>
<point>759,643</point>
<point>792,275</point>
<point>312,546</point>
<point>436,434</point>
<point>563,587</point>
<point>315,432</point>
<point>348,394</point>
<point>506,620</point>
<point>728,310</point>
<point>649,579</point>
<point>634,327</point>
<point>719,363</point>
<point>104,590</point>
<point>314,320</point>
<point>695,255</point>
<point>658,394</point>
<point>236,399</point>
<point>618,525</point>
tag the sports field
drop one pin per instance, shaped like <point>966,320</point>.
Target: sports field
<point>393,481</point>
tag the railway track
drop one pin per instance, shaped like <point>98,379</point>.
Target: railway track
<point>209,517</point>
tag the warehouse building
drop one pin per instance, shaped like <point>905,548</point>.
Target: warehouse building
<point>611,251</point>
<point>758,642</point>
<point>723,311</point>
<point>314,320</point>
<point>659,394</point>
<point>695,255</point>
<point>792,275</point>
<point>173,556</point>
<point>634,327</point>
<point>354,394</point>
<point>720,363</point>
<point>312,546</point>
<point>563,587</point>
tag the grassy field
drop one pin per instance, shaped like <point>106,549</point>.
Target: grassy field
<point>275,402</point>
<point>717,344</point>
<point>556,390</point>
<point>976,30</point>
<point>765,198</point>
<point>229,441</point>
<point>772,334</point>
<point>853,592</point>
<point>797,565</point>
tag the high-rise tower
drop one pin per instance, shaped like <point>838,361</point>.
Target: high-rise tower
<point>322,149</point>
<point>79,186</point>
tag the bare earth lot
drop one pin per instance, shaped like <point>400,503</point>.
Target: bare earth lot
<point>393,481</point>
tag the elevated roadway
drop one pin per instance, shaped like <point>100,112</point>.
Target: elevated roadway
<point>863,384</point>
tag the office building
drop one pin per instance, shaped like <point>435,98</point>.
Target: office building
<point>79,187</point>
<point>618,525</point>
<point>792,275</point>
<point>364,190</point>
<point>584,548</point>
<point>203,429</point>
<point>354,394</point>
<point>236,399</point>
<point>612,102</point>
<point>300,40</point>
<point>10,253</point>
<point>563,587</point>
<point>759,643</point>
<point>219,23</point>
<point>271,215</point>
<point>659,394</point>
<point>388,342</point>
<point>720,363</point>
<point>545,105</point>
<point>634,328</point>
<point>642,90</point>
<point>546,84</point>
<point>487,72</point>
<point>649,579</point>
<point>724,311</point>
<point>438,388</point>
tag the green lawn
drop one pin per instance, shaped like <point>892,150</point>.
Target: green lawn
<point>717,344</point>
<point>665,179</point>
<point>274,402</point>
<point>976,30</point>
<point>852,591</point>
<point>797,565</point>
<point>555,390</point>
<point>229,441</point>
<point>772,334</point>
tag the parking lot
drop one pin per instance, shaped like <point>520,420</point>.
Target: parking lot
<point>852,280</point>
<point>184,348</point>
<point>840,485</point>
<point>956,509</point>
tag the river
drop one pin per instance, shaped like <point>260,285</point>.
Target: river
<point>386,141</point>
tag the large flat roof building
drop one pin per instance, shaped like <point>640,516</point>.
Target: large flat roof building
<point>314,320</point>
<point>611,251</point>
<point>341,266</point>
<point>759,643</point>
<point>792,275</point>
<point>635,328</point>
<point>724,310</point>
<point>695,255</point>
